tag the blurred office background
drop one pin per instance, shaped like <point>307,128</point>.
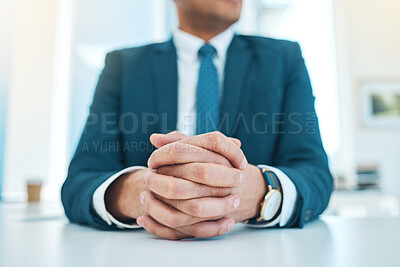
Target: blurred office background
<point>52,51</point>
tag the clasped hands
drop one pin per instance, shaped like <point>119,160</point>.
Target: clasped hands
<point>196,186</point>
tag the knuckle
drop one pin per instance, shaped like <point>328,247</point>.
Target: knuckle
<point>171,202</point>
<point>173,189</point>
<point>146,207</point>
<point>222,161</point>
<point>215,138</point>
<point>218,134</point>
<point>167,170</point>
<point>190,220</point>
<point>162,170</point>
<point>172,151</point>
<point>150,178</point>
<point>204,190</point>
<point>199,231</point>
<point>170,189</point>
<point>163,149</point>
<point>172,221</point>
<point>236,174</point>
<point>174,132</point>
<point>195,209</point>
<point>216,192</point>
<point>184,169</point>
<point>180,149</point>
<point>204,173</point>
<point>221,230</point>
<point>228,206</point>
<point>221,191</point>
<point>197,170</point>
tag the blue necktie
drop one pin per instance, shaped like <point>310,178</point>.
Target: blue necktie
<point>207,94</point>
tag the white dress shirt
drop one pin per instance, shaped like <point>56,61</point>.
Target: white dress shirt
<point>187,47</point>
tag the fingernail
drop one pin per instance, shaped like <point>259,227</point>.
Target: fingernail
<point>146,175</point>
<point>142,198</point>
<point>149,163</point>
<point>140,222</point>
<point>240,178</point>
<point>229,226</point>
<point>236,203</point>
<point>243,165</point>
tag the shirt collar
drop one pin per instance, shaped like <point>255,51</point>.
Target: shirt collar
<point>188,45</point>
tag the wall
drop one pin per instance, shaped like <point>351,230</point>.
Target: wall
<point>28,102</point>
<point>6,11</point>
<point>51,55</point>
<point>368,42</point>
<point>115,24</point>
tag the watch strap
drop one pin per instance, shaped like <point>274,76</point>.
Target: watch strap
<point>273,183</point>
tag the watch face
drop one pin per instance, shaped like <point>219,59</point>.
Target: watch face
<point>272,204</point>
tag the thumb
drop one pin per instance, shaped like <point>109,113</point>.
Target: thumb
<point>160,140</point>
<point>236,141</point>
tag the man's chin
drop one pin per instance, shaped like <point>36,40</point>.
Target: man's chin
<point>229,20</point>
<point>232,2</point>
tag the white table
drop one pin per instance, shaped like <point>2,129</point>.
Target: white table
<point>39,235</point>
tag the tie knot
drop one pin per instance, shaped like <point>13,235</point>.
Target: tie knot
<point>207,50</point>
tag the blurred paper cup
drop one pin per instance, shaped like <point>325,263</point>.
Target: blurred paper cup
<point>34,186</point>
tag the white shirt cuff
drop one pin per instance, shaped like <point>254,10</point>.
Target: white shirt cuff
<point>99,201</point>
<point>289,199</point>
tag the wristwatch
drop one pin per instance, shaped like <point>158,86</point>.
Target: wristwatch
<point>272,203</point>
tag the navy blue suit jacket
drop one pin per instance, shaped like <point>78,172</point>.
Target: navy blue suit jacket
<point>267,103</point>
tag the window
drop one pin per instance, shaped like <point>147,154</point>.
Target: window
<point>309,22</point>
<point>6,9</point>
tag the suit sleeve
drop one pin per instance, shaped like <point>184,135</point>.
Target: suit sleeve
<point>299,152</point>
<point>98,155</point>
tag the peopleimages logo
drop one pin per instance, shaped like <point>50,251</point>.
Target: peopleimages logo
<point>112,124</point>
<point>259,123</point>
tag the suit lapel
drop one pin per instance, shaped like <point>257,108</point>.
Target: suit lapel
<point>166,85</point>
<point>236,68</point>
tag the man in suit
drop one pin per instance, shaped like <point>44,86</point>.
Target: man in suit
<point>188,137</point>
